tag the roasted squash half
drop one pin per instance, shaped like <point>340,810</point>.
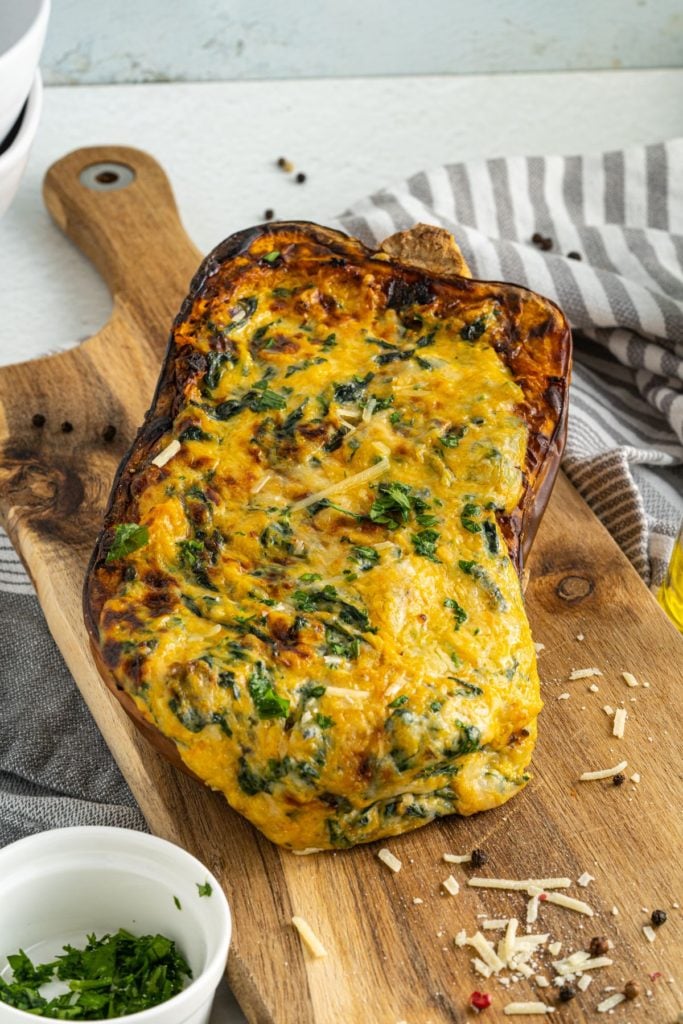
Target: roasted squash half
<point>307,588</point>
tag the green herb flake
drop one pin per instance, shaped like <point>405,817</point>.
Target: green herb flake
<point>177,903</point>
<point>478,573</point>
<point>205,889</point>
<point>474,330</point>
<point>424,544</point>
<point>271,257</point>
<point>324,721</point>
<point>366,557</point>
<point>128,537</point>
<point>459,613</point>
<point>467,518</point>
<point>266,701</point>
<point>398,702</point>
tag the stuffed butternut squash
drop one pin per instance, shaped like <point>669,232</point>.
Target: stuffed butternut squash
<point>307,588</point>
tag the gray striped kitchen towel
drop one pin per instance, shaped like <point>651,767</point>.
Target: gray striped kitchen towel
<point>622,213</point>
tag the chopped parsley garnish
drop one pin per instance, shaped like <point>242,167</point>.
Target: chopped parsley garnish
<point>459,613</point>
<point>474,330</point>
<point>339,642</point>
<point>480,574</point>
<point>194,433</point>
<point>215,364</point>
<point>266,701</point>
<point>310,577</point>
<point>204,889</point>
<point>398,702</point>
<point>111,977</point>
<point>271,257</point>
<point>177,903</point>
<point>392,505</point>
<point>453,437</point>
<point>366,557</point>
<point>128,537</point>
<point>324,721</point>
<point>467,518</point>
<point>491,537</point>
<point>353,390</point>
<point>425,543</point>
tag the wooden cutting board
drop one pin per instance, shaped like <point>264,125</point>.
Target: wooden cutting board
<point>390,959</point>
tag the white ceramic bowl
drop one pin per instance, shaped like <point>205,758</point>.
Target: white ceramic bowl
<point>22,33</point>
<point>13,160</point>
<point>58,886</point>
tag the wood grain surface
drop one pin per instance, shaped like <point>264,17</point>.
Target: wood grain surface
<point>390,959</point>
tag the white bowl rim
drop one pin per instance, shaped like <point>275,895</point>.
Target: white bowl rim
<point>42,15</point>
<point>29,125</point>
<point>215,966</point>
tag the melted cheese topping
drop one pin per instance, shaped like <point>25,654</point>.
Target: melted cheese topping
<point>353,667</point>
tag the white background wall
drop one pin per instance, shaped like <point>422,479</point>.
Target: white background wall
<point>92,41</point>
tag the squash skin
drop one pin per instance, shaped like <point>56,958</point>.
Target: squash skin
<point>537,353</point>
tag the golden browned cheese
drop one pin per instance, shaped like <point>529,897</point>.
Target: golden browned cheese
<point>322,611</point>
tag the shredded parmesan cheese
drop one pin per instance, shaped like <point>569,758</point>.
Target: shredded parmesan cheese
<point>585,879</point>
<point>492,924</point>
<point>164,456</point>
<point>481,968</point>
<point>508,943</point>
<point>261,483</point>
<point>593,688</point>
<point>635,777</point>
<point>520,885</point>
<point>649,933</point>
<point>348,694</point>
<point>570,903</point>
<point>344,485</point>
<point>564,696</point>
<point>517,1009</point>
<point>309,937</point>
<point>307,851</point>
<point>461,938</point>
<point>451,886</point>
<point>629,679</point>
<point>369,409</point>
<point>608,709</point>
<point>417,900</point>
<point>387,857</point>
<point>584,982</point>
<point>608,1004</point>
<point>541,981</point>
<point>619,723</point>
<point>604,773</point>
<point>584,673</point>
<point>486,952</point>
<point>457,858</point>
<point>532,910</point>
<point>554,948</point>
<point>572,965</point>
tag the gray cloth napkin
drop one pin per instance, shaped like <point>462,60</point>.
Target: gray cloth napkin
<point>622,213</point>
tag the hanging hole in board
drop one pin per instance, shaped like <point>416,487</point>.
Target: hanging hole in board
<point>106,177</point>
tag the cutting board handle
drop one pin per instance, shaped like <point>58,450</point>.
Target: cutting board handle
<point>116,204</point>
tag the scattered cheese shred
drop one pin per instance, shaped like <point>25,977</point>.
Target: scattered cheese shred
<point>593,688</point>
<point>532,910</point>
<point>517,1009</point>
<point>417,900</point>
<point>571,966</point>
<point>585,879</point>
<point>608,709</point>
<point>494,923</point>
<point>486,952</point>
<point>604,773</point>
<point>309,937</point>
<point>261,483</point>
<point>649,933</point>
<point>342,691</point>
<point>387,857</point>
<point>564,696</point>
<point>619,723</point>
<point>457,858</point>
<point>344,485</point>
<point>451,886</point>
<point>164,456</point>
<point>584,673</point>
<point>584,982</point>
<point>570,903</point>
<point>481,968</point>
<point>520,885</point>
<point>461,938</point>
<point>629,679</point>
<point>525,970</point>
<point>542,981</point>
<point>539,648</point>
<point>508,943</point>
<point>554,948</point>
<point>635,777</point>
<point>608,1004</point>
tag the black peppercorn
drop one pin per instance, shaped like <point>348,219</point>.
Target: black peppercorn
<point>109,433</point>
<point>631,989</point>
<point>38,420</point>
<point>598,945</point>
<point>479,858</point>
<point>566,993</point>
<point>546,244</point>
<point>574,255</point>
<point>300,178</point>
<point>269,214</point>
<point>619,779</point>
<point>658,917</point>
<point>66,427</point>
<point>285,165</point>
<point>537,238</point>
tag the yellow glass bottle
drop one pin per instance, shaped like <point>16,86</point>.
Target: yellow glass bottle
<point>670,594</point>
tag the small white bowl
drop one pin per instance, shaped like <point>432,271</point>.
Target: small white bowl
<point>56,887</point>
<point>13,160</point>
<point>22,32</point>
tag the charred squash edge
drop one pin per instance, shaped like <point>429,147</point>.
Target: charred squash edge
<point>519,528</point>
